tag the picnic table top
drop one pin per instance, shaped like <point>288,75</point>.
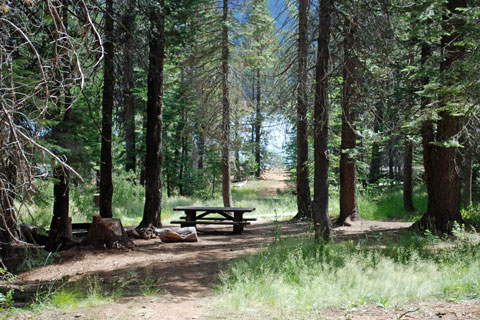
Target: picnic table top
<point>213,209</point>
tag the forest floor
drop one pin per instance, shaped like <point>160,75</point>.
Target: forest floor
<point>187,273</point>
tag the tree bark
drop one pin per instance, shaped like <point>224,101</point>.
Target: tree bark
<point>129,99</point>
<point>391,163</point>
<point>61,189</point>
<point>376,161</point>
<point>226,186</point>
<point>467,189</point>
<point>443,185</point>
<point>303,187</point>
<point>321,219</point>
<point>153,158</point>
<point>183,157</point>
<point>106,183</point>
<point>408,176</point>
<point>201,147</point>
<point>258,127</point>
<point>348,186</point>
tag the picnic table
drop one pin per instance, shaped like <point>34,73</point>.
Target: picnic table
<point>203,215</point>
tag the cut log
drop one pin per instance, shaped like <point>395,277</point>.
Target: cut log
<point>107,233</point>
<point>188,234</point>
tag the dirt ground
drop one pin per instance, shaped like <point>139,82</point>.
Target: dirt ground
<point>186,272</point>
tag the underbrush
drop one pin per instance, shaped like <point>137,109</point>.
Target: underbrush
<point>299,278</point>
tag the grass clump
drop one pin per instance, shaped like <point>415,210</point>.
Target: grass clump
<point>87,293</point>
<point>299,277</point>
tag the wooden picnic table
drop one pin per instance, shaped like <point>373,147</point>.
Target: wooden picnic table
<point>202,215</point>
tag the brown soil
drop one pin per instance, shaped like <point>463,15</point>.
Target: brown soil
<point>277,181</point>
<point>186,273</point>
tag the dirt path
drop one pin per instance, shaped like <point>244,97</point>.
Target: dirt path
<point>186,273</point>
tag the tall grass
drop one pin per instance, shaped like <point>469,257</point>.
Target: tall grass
<point>299,278</point>
<point>384,203</point>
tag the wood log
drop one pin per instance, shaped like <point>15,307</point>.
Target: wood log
<point>188,234</point>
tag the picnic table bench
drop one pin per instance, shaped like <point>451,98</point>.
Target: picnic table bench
<point>201,215</point>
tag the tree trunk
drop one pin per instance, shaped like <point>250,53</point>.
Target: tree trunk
<point>348,186</point>
<point>183,156</point>
<point>427,131</point>
<point>258,127</point>
<point>129,99</point>
<point>321,219</point>
<point>408,176</point>
<point>61,189</point>
<point>376,161</point>
<point>201,148</point>
<point>153,158</point>
<point>467,189</point>
<point>443,185</point>
<point>106,184</point>
<point>391,163</point>
<point>226,187</point>
<point>303,188</point>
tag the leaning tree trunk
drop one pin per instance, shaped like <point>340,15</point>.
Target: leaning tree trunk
<point>348,183</point>
<point>106,183</point>
<point>128,85</point>
<point>153,158</point>
<point>226,186</point>
<point>321,219</point>
<point>408,176</point>
<point>303,188</point>
<point>445,181</point>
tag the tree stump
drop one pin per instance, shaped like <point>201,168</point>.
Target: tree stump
<point>107,233</point>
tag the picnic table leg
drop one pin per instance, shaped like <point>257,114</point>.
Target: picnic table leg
<point>191,215</point>
<point>238,217</point>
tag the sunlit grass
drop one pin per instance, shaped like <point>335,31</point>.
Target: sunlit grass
<point>298,278</point>
<point>382,203</point>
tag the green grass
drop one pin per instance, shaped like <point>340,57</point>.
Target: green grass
<point>89,292</point>
<point>299,278</point>
<point>382,203</point>
<point>387,204</point>
<point>128,201</point>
